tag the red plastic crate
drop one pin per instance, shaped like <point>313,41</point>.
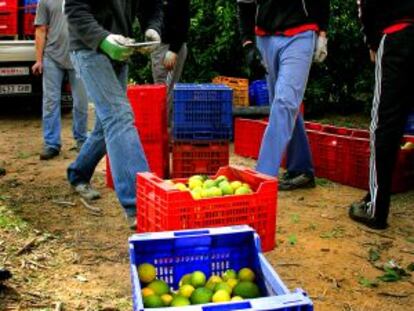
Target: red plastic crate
<point>198,157</point>
<point>158,159</point>
<point>8,5</point>
<point>28,23</point>
<point>149,105</point>
<point>161,207</point>
<point>333,152</point>
<point>359,164</point>
<point>8,23</point>
<point>248,136</point>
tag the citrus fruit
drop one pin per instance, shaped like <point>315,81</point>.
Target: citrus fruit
<point>246,274</point>
<point>180,186</point>
<point>194,183</point>
<point>159,287</point>
<point>223,286</point>
<point>242,190</point>
<point>186,290</point>
<point>198,279</point>
<point>225,188</point>
<point>146,273</point>
<point>236,298</point>
<point>232,282</point>
<point>180,301</point>
<point>208,184</point>
<point>229,274</point>
<point>166,298</point>
<point>185,279</point>
<point>246,289</point>
<point>145,292</point>
<point>220,179</point>
<point>216,192</point>
<point>212,281</point>
<point>153,301</point>
<point>221,296</point>
<point>201,295</point>
<point>235,184</point>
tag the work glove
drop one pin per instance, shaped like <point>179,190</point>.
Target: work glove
<point>170,60</point>
<point>114,47</point>
<point>321,50</point>
<point>254,62</point>
<point>151,35</point>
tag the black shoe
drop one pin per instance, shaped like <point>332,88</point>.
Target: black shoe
<point>48,153</point>
<point>360,212</point>
<point>291,181</point>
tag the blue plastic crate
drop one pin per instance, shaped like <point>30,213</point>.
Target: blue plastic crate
<point>202,92</point>
<point>260,93</point>
<point>202,111</point>
<point>30,6</point>
<point>212,251</point>
<point>409,128</point>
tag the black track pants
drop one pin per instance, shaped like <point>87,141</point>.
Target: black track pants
<point>393,99</point>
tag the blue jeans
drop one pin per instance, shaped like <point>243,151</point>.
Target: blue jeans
<point>288,61</point>
<point>114,131</point>
<point>53,75</point>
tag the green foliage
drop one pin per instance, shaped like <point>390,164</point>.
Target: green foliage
<point>343,84</point>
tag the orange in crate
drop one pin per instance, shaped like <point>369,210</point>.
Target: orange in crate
<point>162,207</point>
<point>240,89</point>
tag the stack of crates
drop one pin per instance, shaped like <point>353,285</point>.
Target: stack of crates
<point>202,128</point>
<point>29,13</point>
<point>8,17</point>
<point>240,89</point>
<point>259,93</point>
<point>149,105</point>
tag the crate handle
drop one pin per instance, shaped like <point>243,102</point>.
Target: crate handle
<point>190,233</point>
<point>228,307</point>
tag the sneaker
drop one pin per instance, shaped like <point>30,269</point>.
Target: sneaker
<point>87,192</point>
<point>48,153</point>
<point>132,222</point>
<point>359,212</point>
<point>295,181</point>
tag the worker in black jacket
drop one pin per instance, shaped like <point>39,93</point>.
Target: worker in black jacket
<point>100,33</point>
<point>389,30</point>
<point>289,34</point>
<point>169,58</point>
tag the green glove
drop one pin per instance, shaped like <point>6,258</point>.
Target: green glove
<point>114,47</point>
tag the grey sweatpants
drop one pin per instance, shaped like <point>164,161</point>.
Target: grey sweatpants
<point>162,75</point>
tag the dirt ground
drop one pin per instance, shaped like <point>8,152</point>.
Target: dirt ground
<point>66,255</point>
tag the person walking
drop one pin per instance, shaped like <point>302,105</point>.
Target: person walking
<point>100,35</point>
<point>389,31</point>
<point>168,59</point>
<point>53,61</point>
<point>280,39</point>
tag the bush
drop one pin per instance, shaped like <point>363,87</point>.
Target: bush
<point>343,84</point>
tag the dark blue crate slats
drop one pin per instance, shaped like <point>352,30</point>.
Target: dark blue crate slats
<point>211,254</point>
<point>202,111</point>
<point>259,92</point>
<point>30,6</point>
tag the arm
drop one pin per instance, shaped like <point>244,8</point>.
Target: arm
<point>320,12</point>
<point>180,24</point>
<point>40,43</point>
<point>367,14</point>
<point>149,13</point>
<point>82,21</point>
<point>246,14</point>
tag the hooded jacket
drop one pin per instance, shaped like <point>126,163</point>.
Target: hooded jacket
<point>279,15</point>
<point>91,21</point>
